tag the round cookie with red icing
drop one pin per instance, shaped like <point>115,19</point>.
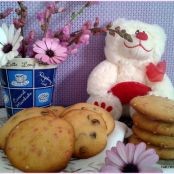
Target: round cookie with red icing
<point>41,144</point>
<point>90,132</point>
<point>107,117</point>
<point>21,116</point>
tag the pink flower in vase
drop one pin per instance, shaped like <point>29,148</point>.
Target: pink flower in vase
<point>49,51</point>
<point>131,158</point>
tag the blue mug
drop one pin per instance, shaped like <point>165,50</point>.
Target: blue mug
<point>27,83</point>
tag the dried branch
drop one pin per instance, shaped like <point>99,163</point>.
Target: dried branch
<point>22,12</point>
<point>122,33</point>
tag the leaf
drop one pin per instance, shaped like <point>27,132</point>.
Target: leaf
<point>73,15</point>
<point>112,33</point>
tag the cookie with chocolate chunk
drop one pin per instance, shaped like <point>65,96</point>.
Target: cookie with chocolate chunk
<point>90,132</point>
<point>110,123</point>
<point>58,110</point>
<point>21,116</point>
<point>41,144</point>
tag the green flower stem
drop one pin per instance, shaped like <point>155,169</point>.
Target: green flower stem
<point>74,15</point>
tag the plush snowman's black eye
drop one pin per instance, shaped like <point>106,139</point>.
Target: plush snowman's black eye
<point>137,31</point>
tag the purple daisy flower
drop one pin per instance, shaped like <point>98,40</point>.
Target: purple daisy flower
<point>131,158</point>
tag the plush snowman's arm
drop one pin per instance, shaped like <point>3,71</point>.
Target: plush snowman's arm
<point>102,78</point>
<point>163,88</point>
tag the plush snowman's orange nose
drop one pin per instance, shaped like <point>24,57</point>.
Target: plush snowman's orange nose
<point>142,35</point>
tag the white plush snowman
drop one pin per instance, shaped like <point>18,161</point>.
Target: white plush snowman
<point>131,68</point>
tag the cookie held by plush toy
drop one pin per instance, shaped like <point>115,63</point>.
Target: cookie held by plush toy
<point>133,66</point>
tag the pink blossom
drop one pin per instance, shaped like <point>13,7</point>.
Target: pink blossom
<point>41,17</point>
<point>60,9</point>
<point>64,44</point>
<point>73,49</point>
<point>93,2</point>
<point>66,30</point>
<point>31,36</point>
<point>5,13</point>
<point>87,25</point>
<point>52,7</point>
<point>84,39</point>
<point>18,23</point>
<point>50,51</point>
<point>131,158</point>
<point>87,32</point>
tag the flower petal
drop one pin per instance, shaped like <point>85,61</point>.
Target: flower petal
<point>140,148</point>
<point>11,55</point>
<point>121,149</point>
<point>1,54</point>
<point>114,149</point>
<point>3,38</point>
<point>61,53</point>
<point>146,153</point>
<point>17,43</point>
<point>55,60</point>
<point>41,44</point>
<point>48,43</point>
<point>108,162</point>
<point>149,160</point>
<point>16,36</point>
<point>130,148</point>
<point>11,32</point>
<point>110,169</point>
<point>39,56</point>
<point>5,28</point>
<point>3,60</point>
<point>115,158</point>
<point>153,169</point>
<point>39,50</point>
<point>45,58</point>
<point>54,46</point>
<point>61,58</point>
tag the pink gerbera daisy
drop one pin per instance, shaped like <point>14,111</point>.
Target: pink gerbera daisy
<point>49,51</point>
<point>131,158</point>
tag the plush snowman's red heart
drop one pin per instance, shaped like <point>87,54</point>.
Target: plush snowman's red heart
<point>155,73</point>
<point>126,91</point>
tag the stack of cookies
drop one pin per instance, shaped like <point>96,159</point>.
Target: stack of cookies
<point>45,139</point>
<point>154,124</point>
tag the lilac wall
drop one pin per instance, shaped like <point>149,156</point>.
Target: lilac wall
<point>72,74</point>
